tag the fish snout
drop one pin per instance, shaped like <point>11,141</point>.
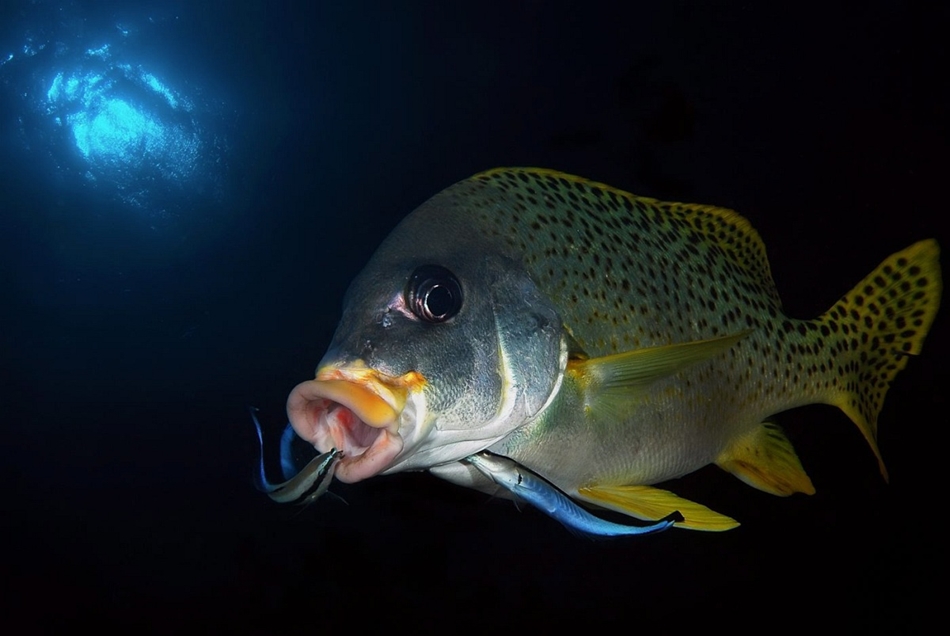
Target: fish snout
<point>357,410</point>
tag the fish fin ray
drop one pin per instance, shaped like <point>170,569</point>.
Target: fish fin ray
<point>640,367</point>
<point>653,504</point>
<point>765,459</point>
<point>888,314</point>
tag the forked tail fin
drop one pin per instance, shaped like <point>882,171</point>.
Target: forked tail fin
<point>880,323</point>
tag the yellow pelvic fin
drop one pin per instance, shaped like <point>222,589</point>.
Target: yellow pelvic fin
<point>652,504</point>
<point>885,319</point>
<point>765,459</point>
<point>640,367</point>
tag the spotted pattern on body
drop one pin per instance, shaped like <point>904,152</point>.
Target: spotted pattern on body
<point>629,272</point>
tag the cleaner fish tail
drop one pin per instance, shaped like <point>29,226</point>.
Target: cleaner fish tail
<point>287,465</point>
<point>876,327</point>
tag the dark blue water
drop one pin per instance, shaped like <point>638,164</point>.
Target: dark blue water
<point>147,303</point>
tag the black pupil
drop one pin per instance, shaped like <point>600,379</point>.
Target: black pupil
<point>433,293</point>
<point>439,300</point>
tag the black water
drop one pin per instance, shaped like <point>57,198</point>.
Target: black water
<point>134,333</point>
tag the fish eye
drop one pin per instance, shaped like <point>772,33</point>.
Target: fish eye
<point>433,293</point>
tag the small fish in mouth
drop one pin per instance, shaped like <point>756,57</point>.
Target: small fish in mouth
<point>306,486</point>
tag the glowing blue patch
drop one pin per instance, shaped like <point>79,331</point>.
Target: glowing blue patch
<point>117,131</point>
<point>101,52</point>
<point>160,88</point>
<point>55,89</point>
<point>110,122</point>
<point>117,134</point>
<point>72,86</point>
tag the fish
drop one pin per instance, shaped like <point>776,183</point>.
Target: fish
<point>304,487</point>
<point>603,341</point>
<point>526,486</point>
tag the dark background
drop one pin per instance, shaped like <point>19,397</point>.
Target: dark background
<point>131,348</point>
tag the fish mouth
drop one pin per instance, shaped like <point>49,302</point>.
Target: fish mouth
<point>358,411</point>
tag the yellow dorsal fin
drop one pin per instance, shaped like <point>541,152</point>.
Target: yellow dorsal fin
<point>640,367</point>
<point>765,459</point>
<point>652,504</point>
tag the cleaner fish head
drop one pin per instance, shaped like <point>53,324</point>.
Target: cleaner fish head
<point>445,346</point>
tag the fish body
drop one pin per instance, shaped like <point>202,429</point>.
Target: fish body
<point>605,341</point>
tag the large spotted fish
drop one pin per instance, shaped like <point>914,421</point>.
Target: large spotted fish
<point>601,341</point>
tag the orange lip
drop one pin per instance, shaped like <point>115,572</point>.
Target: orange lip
<point>365,403</point>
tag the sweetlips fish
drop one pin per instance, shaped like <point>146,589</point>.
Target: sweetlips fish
<point>526,321</point>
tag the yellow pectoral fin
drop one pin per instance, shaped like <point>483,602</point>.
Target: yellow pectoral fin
<point>652,504</point>
<point>611,385</point>
<point>765,459</point>
<point>640,367</point>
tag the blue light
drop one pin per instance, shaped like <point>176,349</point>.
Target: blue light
<point>123,119</point>
<point>114,133</point>
<point>112,121</point>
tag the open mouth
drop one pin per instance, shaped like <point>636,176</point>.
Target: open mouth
<point>355,410</point>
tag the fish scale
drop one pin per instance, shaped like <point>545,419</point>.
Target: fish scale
<point>611,260</point>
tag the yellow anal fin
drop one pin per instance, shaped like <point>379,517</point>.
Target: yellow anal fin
<point>765,459</point>
<point>652,504</point>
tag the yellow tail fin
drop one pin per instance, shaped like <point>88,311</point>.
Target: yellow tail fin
<point>881,322</point>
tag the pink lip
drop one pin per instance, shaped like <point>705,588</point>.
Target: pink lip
<point>355,410</point>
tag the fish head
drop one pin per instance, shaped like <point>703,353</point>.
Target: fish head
<point>445,346</point>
